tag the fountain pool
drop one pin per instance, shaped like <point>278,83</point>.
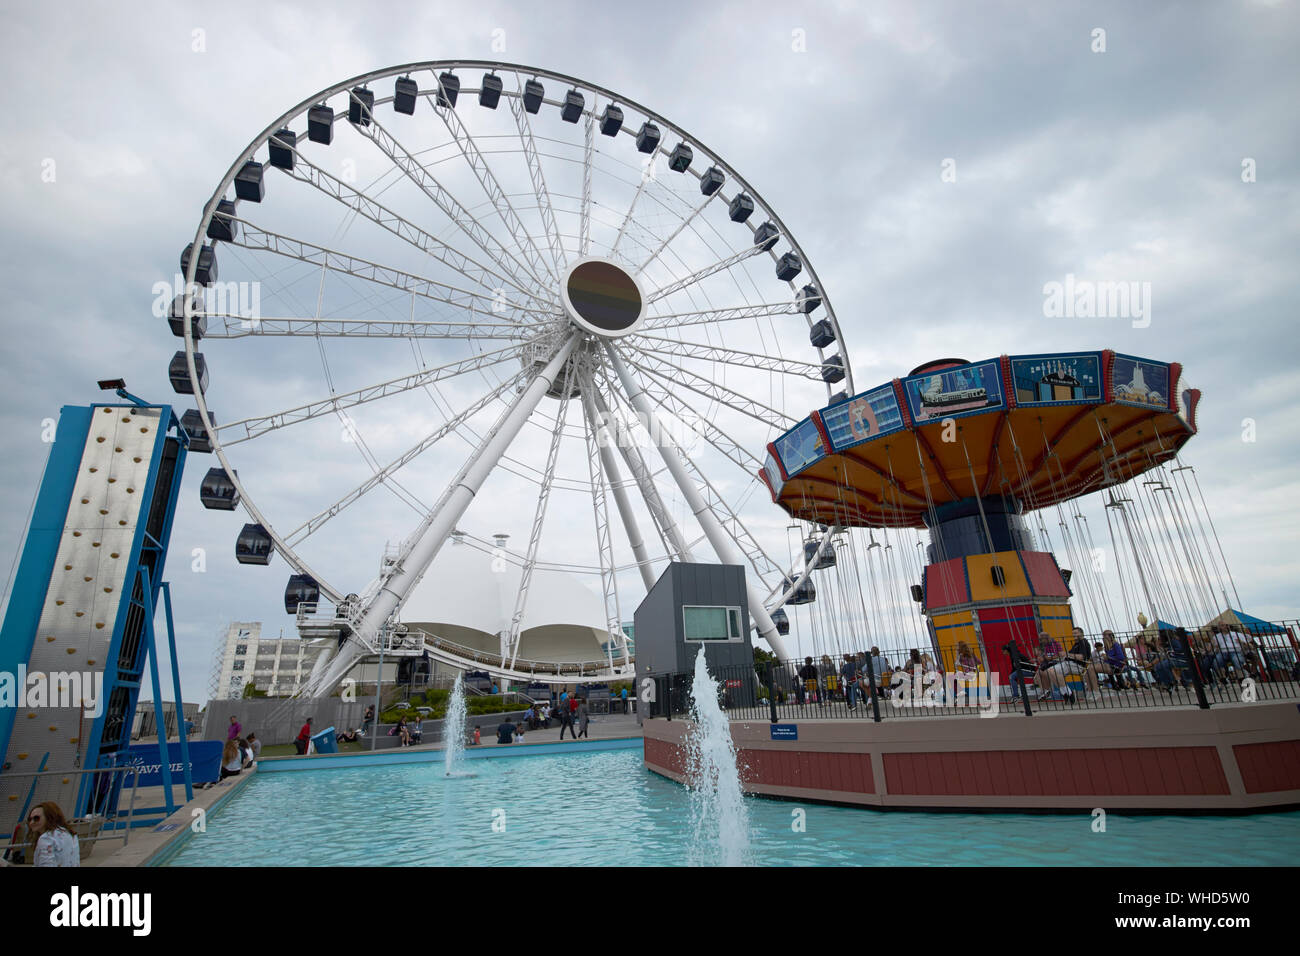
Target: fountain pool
<point>606,808</point>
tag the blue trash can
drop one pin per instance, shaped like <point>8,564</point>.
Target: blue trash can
<point>325,741</point>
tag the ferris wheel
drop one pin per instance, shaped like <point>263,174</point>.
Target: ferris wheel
<point>470,283</point>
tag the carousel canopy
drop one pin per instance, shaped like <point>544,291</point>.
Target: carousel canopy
<point>1033,429</point>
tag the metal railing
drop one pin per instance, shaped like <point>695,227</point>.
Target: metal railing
<point>1172,669</point>
<point>117,824</point>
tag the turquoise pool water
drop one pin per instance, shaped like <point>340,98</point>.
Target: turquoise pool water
<point>605,808</point>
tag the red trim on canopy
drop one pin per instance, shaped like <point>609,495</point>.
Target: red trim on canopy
<point>1175,373</point>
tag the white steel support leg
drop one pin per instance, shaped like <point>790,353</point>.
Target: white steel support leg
<point>674,542</point>
<point>604,544</point>
<point>723,546</point>
<point>438,525</point>
<point>610,465</point>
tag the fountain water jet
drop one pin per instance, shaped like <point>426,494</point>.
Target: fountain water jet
<point>453,729</point>
<point>719,814</point>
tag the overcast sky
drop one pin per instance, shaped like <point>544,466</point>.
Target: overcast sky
<point>1127,163</point>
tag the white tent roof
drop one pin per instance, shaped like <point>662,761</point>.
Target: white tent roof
<point>463,589</point>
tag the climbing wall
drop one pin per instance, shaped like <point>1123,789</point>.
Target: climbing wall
<point>95,557</point>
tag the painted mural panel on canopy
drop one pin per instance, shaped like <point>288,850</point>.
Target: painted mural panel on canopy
<point>1139,381</point>
<point>1052,379</point>
<point>863,417</point>
<point>953,392</point>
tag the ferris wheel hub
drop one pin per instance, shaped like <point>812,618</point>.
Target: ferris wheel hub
<point>602,298</point>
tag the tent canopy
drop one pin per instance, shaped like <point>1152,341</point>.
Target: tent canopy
<point>1248,623</point>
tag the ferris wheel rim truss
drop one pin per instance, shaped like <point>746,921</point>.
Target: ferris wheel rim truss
<point>528,283</point>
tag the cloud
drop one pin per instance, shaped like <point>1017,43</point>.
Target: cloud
<point>1123,165</point>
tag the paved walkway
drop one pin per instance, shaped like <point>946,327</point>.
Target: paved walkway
<point>601,727</point>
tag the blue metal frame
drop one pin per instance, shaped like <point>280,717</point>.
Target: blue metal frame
<point>148,816</point>
<point>100,752</point>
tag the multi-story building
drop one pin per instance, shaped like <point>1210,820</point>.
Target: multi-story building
<point>277,666</point>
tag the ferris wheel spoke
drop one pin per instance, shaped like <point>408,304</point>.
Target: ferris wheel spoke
<point>238,327</point>
<point>256,239</point>
<point>764,566</point>
<point>688,414</point>
<point>537,264</point>
<point>675,348</point>
<point>362,204</point>
<point>588,158</point>
<point>678,376</point>
<point>415,171</point>
<point>311,526</point>
<point>714,316</point>
<point>723,545</point>
<point>539,184</point>
<point>721,265</point>
<point>681,226</point>
<point>248,428</point>
<point>539,519</point>
<point>627,218</point>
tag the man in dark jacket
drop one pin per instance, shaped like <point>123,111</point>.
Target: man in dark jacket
<point>807,679</point>
<point>506,732</point>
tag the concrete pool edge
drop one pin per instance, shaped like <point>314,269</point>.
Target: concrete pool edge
<point>373,758</point>
<point>151,845</point>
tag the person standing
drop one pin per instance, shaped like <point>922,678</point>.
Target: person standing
<point>55,844</point>
<point>566,721</point>
<point>807,679</point>
<point>304,738</point>
<point>233,733</point>
<point>624,696</point>
<point>583,718</point>
<point>849,673</point>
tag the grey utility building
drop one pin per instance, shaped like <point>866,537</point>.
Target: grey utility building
<point>693,606</point>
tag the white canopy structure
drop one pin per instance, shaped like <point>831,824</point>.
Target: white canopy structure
<point>467,599</point>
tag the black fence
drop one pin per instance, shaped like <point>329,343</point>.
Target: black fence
<point>1108,671</point>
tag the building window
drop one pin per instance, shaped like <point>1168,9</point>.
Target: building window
<point>711,623</point>
<point>238,666</point>
<point>241,650</point>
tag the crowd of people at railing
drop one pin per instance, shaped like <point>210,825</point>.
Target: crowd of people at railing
<point>1149,662</point>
